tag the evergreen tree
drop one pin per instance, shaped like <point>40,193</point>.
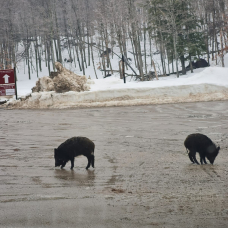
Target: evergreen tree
<point>177,27</point>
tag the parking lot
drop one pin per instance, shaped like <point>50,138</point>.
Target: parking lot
<point>142,177</point>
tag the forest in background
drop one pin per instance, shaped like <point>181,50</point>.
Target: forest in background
<point>181,30</point>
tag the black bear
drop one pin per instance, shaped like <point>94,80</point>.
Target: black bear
<point>72,148</point>
<point>203,145</point>
<point>198,64</point>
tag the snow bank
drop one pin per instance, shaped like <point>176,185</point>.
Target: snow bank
<point>208,85</point>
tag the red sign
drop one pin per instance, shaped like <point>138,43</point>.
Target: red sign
<point>7,83</point>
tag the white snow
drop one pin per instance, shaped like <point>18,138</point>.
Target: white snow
<point>205,84</point>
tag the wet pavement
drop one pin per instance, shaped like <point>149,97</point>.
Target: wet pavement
<point>142,176</point>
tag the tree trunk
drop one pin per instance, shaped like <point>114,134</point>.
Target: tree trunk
<point>144,29</point>
<point>221,42</point>
<point>93,57</point>
<point>175,53</point>
<point>183,65</point>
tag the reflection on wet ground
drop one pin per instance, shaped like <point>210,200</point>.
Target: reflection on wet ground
<point>82,178</point>
<point>142,176</point>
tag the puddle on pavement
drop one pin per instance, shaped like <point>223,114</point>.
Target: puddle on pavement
<point>33,198</point>
<point>200,116</point>
<point>114,178</point>
<point>66,175</point>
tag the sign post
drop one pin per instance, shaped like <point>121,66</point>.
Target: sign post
<point>123,70</point>
<point>8,83</point>
<point>15,79</point>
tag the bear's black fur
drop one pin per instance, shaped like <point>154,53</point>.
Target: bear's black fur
<point>203,145</point>
<point>198,64</point>
<point>72,148</point>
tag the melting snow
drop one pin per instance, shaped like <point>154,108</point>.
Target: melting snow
<point>206,84</point>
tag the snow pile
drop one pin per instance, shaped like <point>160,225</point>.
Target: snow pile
<point>207,84</point>
<point>44,84</point>
<point>64,81</point>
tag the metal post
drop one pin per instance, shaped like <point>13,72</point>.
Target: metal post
<point>15,79</point>
<point>123,70</point>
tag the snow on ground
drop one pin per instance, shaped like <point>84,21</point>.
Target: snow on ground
<point>205,84</point>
